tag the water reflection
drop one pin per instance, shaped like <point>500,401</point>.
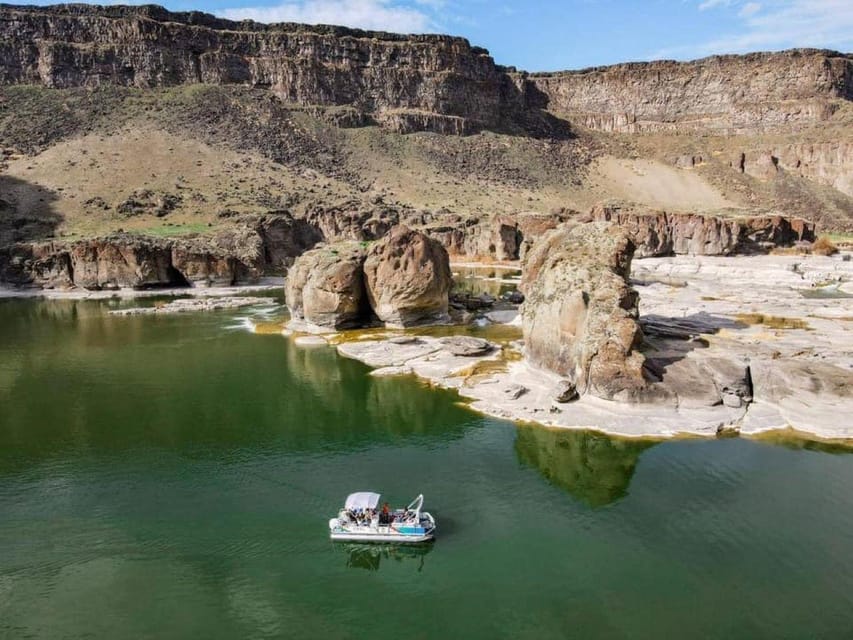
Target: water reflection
<point>489,279</point>
<point>369,557</point>
<point>791,439</point>
<point>591,466</point>
<point>185,384</point>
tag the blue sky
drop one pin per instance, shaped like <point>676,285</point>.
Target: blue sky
<point>548,35</point>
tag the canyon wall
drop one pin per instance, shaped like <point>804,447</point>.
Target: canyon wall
<point>414,82</point>
<point>730,94</point>
<point>827,163</point>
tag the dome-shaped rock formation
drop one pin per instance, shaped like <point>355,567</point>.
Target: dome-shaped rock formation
<point>408,278</point>
<point>325,287</point>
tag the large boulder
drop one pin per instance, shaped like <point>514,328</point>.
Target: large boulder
<point>408,278</point>
<point>580,316</point>
<point>325,287</point>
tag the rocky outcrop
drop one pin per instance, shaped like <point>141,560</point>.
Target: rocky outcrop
<point>238,255</point>
<point>503,237</point>
<point>412,83</point>
<point>827,163</point>
<point>351,221</point>
<point>724,94</point>
<point>580,316</point>
<point>120,262</point>
<point>45,265</point>
<point>325,287</point>
<point>408,278</point>
<point>661,233</point>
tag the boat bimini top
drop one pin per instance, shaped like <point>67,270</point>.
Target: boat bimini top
<point>362,500</point>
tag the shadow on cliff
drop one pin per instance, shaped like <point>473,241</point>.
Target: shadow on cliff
<point>27,211</point>
<point>535,120</point>
<point>592,467</point>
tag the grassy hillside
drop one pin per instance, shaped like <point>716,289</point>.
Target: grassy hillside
<point>193,159</point>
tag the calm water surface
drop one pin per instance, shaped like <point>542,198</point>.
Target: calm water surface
<point>172,477</point>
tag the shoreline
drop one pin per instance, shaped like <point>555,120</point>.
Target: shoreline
<point>671,289</point>
<point>744,308</point>
<point>264,284</point>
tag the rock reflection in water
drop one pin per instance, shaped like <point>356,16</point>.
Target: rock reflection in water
<point>492,280</point>
<point>591,466</point>
<point>370,556</point>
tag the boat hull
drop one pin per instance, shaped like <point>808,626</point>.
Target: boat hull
<point>399,534</point>
<point>396,538</point>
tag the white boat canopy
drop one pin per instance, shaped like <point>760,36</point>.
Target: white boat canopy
<point>362,500</point>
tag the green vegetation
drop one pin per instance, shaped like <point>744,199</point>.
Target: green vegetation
<point>169,230</point>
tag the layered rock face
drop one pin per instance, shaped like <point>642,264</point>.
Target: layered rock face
<point>437,83</point>
<point>325,287</point>
<point>661,233</point>
<point>580,316</point>
<point>500,237</point>
<point>828,163</point>
<point>726,94</point>
<point>408,278</point>
<point>238,255</point>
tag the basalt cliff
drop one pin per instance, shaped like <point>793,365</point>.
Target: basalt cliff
<point>215,151</point>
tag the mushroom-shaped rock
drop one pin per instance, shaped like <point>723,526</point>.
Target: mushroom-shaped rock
<point>325,287</point>
<point>580,315</point>
<point>408,278</point>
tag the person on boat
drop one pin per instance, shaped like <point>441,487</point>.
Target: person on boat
<point>385,516</point>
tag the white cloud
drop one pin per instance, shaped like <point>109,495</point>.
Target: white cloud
<point>749,9</point>
<point>710,4</point>
<point>383,15</point>
<point>776,24</point>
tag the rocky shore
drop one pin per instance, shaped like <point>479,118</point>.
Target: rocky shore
<point>267,245</point>
<point>738,344</point>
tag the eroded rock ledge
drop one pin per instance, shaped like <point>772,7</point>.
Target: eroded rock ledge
<point>707,366</point>
<point>265,245</point>
<point>268,244</point>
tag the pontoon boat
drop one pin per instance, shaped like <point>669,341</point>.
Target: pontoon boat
<point>361,520</point>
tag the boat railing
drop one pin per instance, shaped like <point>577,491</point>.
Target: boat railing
<point>416,505</point>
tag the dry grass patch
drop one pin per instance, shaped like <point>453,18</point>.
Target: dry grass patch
<point>773,322</point>
<point>824,246</point>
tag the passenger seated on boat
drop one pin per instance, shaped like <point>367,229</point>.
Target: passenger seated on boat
<point>385,517</point>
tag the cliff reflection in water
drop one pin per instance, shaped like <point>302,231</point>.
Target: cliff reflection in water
<point>190,385</point>
<point>362,407</point>
<point>591,466</point>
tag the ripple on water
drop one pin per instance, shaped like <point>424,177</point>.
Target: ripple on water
<point>152,465</point>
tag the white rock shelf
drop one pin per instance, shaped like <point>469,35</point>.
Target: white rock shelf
<point>193,305</point>
<point>803,377</point>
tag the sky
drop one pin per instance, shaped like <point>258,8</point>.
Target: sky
<point>549,35</point>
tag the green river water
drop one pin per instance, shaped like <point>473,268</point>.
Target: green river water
<point>173,476</point>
